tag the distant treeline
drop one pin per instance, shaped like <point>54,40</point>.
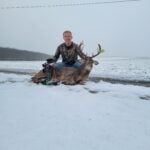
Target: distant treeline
<point>24,55</point>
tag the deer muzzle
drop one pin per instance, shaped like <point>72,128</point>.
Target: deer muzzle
<point>95,62</point>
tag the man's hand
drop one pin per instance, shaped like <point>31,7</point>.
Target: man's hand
<point>50,60</point>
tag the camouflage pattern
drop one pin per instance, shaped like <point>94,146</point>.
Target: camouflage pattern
<point>69,54</point>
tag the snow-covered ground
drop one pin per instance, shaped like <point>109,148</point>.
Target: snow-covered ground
<point>94,116</point>
<point>115,67</point>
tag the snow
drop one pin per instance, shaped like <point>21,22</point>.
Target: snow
<point>124,68</point>
<point>21,64</point>
<point>92,116</point>
<point>115,67</point>
<point>13,78</point>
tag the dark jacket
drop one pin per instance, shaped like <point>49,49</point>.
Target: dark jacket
<point>69,53</point>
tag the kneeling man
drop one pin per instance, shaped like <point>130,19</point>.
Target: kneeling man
<point>69,52</point>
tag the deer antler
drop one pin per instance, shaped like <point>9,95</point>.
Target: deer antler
<point>81,45</point>
<point>99,51</point>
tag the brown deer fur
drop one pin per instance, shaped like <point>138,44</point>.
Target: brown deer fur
<point>70,75</point>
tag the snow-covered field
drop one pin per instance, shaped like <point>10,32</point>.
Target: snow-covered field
<point>118,68</point>
<point>94,116</point>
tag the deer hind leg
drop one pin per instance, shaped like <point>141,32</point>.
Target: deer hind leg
<point>69,82</point>
<point>37,78</point>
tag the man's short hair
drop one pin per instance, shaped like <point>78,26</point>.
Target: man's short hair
<point>67,31</point>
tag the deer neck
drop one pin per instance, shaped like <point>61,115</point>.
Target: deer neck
<point>85,69</point>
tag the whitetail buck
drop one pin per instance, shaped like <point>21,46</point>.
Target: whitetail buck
<point>70,75</point>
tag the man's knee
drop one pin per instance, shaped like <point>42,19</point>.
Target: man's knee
<point>59,65</point>
<point>77,64</point>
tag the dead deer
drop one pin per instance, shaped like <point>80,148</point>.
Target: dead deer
<point>70,75</point>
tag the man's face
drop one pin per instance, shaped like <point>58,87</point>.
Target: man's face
<point>67,38</point>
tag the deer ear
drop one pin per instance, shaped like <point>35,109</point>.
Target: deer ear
<point>96,62</point>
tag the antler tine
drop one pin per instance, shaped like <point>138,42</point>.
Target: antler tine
<point>81,45</point>
<point>99,51</point>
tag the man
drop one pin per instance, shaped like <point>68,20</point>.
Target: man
<point>69,52</point>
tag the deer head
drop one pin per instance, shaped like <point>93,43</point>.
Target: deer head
<point>89,61</point>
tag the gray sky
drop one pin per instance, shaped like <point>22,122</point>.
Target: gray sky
<point>122,29</point>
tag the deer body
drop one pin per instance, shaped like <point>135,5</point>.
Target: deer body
<point>70,75</point>
<point>73,76</point>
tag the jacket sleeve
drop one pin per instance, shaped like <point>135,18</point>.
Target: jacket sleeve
<point>80,52</point>
<point>57,54</point>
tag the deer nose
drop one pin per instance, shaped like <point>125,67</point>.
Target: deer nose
<point>96,62</point>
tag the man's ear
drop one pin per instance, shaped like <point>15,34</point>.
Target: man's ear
<point>96,62</point>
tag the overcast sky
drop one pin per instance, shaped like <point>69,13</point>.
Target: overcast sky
<point>123,29</point>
